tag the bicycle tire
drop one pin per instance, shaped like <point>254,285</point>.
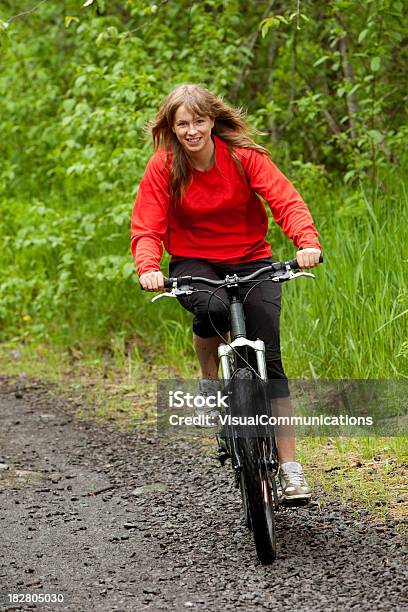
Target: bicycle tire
<point>244,498</point>
<point>260,502</point>
<point>257,496</point>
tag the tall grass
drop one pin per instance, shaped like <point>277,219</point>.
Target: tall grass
<point>352,320</point>
<point>67,279</point>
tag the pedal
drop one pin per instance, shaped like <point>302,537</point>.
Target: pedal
<point>295,503</point>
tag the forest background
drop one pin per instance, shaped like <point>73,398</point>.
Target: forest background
<point>324,81</point>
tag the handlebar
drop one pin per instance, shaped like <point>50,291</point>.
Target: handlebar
<point>275,268</point>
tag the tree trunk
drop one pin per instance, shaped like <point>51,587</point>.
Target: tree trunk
<point>351,99</point>
<point>251,44</point>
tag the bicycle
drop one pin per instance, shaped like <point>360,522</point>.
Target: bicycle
<point>253,452</point>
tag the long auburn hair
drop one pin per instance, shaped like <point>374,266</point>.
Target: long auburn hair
<point>229,125</point>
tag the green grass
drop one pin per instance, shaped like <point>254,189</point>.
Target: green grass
<point>352,320</point>
<point>364,472</point>
<point>67,280</point>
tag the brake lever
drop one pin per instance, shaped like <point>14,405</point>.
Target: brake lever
<point>169,294</point>
<point>174,293</point>
<point>290,275</point>
<point>307,274</point>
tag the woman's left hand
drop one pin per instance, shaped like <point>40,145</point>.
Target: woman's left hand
<point>308,258</point>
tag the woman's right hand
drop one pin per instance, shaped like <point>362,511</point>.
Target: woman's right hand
<point>152,281</point>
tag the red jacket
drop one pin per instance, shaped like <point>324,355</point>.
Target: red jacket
<point>220,218</point>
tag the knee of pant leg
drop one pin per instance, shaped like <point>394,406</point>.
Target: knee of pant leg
<point>219,312</point>
<point>208,323</point>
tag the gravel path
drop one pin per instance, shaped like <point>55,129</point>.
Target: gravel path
<point>75,520</point>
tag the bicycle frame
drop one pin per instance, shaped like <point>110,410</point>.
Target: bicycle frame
<point>232,356</point>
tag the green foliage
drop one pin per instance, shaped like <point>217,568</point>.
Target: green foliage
<point>327,84</point>
<point>80,80</point>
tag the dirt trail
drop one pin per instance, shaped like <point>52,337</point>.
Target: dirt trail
<point>73,521</point>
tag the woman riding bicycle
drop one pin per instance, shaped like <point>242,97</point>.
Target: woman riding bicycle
<point>199,196</point>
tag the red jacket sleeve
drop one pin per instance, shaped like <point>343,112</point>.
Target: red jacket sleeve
<point>149,218</point>
<point>288,209</point>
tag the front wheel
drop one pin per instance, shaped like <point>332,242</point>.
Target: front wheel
<point>244,498</point>
<point>259,497</point>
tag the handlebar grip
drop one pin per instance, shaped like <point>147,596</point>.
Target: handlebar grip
<point>168,283</point>
<point>294,264</point>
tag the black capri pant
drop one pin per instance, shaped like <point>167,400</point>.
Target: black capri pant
<point>261,308</point>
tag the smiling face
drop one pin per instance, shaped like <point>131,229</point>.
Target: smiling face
<point>193,131</point>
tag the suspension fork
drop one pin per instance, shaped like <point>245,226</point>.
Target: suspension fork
<point>230,361</point>
<point>226,353</point>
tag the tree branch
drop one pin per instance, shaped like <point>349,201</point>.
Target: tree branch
<point>334,128</point>
<point>26,12</point>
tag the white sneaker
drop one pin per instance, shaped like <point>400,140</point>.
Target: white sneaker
<point>294,485</point>
<point>207,415</point>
